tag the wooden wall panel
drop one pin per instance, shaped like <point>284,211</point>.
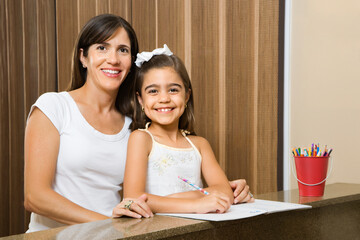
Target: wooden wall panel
<point>267,128</point>
<point>16,114</point>
<point>67,28</point>
<point>102,6</point>
<point>86,9</point>
<point>4,124</point>
<point>144,23</point>
<point>46,50</point>
<point>204,69</point>
<point>252,83</point>
<point>171,26</point>
<point>121,8</point>
<point>30,38</point>
<point>28,68</point>
<point>240,89</point>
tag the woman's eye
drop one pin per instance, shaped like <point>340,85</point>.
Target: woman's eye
<point>102,48</point>
<point>124,50</point>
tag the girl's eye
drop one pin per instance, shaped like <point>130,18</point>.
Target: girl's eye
<point>102,48</point>
<point>173,90</point>
<point>152,91</point>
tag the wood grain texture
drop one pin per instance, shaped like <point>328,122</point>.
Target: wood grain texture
<point>187,35</point>
<point>86,10</point>
<point>144,23</point>
<point>171,26</point>
<point>239,90</point>
<point>267,96</point>
<point>102,6</point>
<point>121,8</point>
<point>16,114</point>
<point>31,60</point>
<point>204,69</point>
<point>32,49</point>
<point>222,85</point>
<point>67,30</point>
<point>251,87</point>
<point>4,124</point>
<point>46,22</point>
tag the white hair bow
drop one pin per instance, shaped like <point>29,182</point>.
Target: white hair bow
<point>146,56</point>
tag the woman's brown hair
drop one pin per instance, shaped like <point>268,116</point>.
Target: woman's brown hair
<point>187,119</point>
<point>97,30</point>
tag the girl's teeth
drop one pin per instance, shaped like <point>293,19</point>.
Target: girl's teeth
<point>164,109</point>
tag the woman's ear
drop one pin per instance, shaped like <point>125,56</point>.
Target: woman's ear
<point>187,97</point>
<point>82,58</point>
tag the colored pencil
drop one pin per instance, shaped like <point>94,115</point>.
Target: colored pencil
<point>194,186</point>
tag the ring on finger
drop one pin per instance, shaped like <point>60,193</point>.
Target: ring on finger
<point>128,205</point>
<point>252,196</point>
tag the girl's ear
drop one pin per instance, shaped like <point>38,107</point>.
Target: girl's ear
<point>139,98</point>
<point>82,58</point>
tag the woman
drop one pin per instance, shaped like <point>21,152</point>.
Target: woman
<point>75,141</point>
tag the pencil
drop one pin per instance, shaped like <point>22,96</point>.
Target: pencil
<point>194,186</point>
<point>329,152</point>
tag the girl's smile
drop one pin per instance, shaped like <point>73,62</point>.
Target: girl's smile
<point>164,110</point>
<point>163,96</point>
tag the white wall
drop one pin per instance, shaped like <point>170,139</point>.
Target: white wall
<point>324,76</point>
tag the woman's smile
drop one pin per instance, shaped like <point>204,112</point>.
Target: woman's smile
<point>111,72</point>
<point>108,62</point>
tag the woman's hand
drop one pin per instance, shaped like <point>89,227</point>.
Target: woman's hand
<point>133,207</point>
<point>241,191</point>
<point>214,202</point>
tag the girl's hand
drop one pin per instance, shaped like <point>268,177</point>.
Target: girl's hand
<point>214,202</point>
<point>241,191</point>
<point>133,207</point>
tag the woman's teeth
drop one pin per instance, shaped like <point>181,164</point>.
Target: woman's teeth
<point>111,71</point>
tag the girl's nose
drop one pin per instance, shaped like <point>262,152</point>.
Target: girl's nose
<point>164,97</point>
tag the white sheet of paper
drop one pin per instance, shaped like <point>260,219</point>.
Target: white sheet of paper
<point>274,206</point>
<point>244,210</point>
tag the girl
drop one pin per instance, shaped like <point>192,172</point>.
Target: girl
<point>161,149</point>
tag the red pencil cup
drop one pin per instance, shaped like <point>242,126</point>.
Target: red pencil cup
<point>311,175</point>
